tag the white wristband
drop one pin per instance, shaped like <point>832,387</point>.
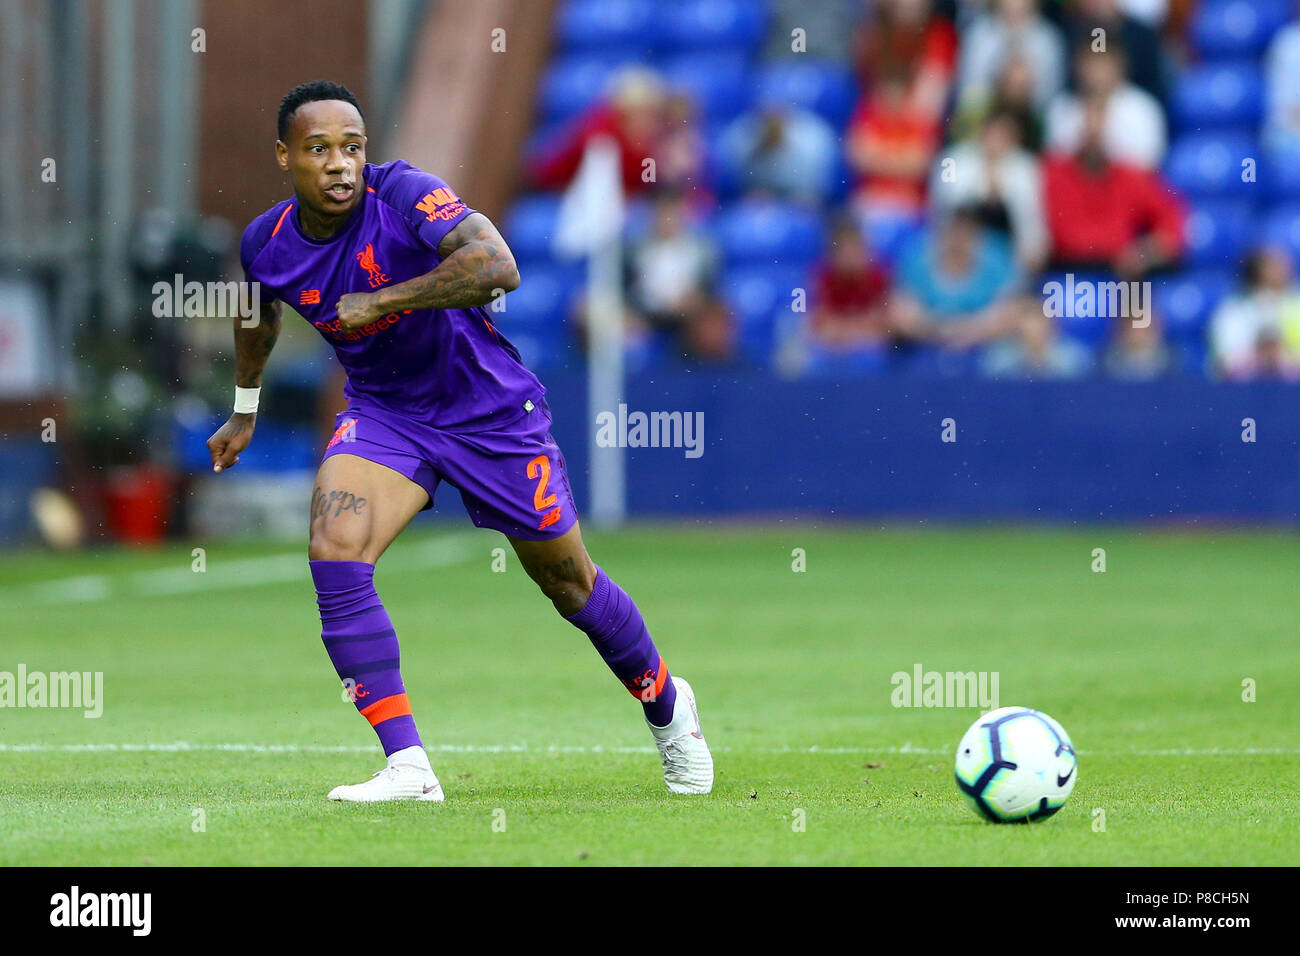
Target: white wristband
<point>246,400</point>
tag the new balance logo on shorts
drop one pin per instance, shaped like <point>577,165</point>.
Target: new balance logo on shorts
<point>347,432</point>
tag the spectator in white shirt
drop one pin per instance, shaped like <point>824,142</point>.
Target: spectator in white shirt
<point>996,175</point>
<point>1256,333</point>
<point>1134,123</point>
<point>1010,29</point>
<point>1281,67</point>
<point>781,150</point>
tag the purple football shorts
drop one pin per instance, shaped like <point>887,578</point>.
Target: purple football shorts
<point>512,480</point>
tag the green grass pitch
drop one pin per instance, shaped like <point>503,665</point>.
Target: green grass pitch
<point>221,708</point>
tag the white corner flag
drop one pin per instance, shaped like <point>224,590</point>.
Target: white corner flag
<point>591,224</point>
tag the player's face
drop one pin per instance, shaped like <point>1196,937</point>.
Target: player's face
<point>325,155</point>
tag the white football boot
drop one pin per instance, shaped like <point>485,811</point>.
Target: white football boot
<point>688,765</point>
<point>408,776</point>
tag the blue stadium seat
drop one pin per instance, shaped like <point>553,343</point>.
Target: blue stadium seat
<point>842,179</point>
<point>281,446</point>
<point>757,295</point>
<point>189,448</point>
<point>529,226</point>
<point>1282,228</point>
<point>1279,174</point>
<point>1184,302</point>
<point>544,299</point>
<point>638,215</point>
<point>1210,164</point>
<point>928,361</point>
<point>654,351</point>
<point>887,236</point>
<point>768,232</point>
<point>1087,330</point>
<point>1237,28</point>
<point>1219,233</point>
<point>712,25</point>
<point>572,84</point>
<point>603,25</point>
<point>828,89</point>
<point>544,136</point>
<point>1218,95</point>
<point>720,85</point>
<point>725,178</point>
<point>854,363</point>
<point>1192,357</point>
<point>1089,327</point>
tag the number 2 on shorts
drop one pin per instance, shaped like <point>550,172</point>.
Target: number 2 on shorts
<point>541,467</point>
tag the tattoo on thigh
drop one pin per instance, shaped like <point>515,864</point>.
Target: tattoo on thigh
<point>339,501</point>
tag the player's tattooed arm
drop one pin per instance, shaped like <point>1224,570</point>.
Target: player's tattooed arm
<point>253,345</point>
<point>252,349</point>
<point>477,266</point>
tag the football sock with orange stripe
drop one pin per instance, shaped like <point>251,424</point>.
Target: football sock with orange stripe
<point>363,646</point>
<point>615,627</point>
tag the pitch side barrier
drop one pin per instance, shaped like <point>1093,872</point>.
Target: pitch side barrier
<point>751,444</point>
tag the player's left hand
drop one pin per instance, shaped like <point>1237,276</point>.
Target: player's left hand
<point>355,311</point>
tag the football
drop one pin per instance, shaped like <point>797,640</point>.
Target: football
<point>1016,765</point>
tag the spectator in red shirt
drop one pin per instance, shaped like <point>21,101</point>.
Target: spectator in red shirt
<point>1109,216</point>
<point>891,144</point>
<point>908,38</point>
<point>635,117</point>
<point>849,294</point>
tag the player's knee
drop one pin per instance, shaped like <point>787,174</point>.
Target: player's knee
<point>568,587</point>
<point>568,598</point>
<point>335,541</point>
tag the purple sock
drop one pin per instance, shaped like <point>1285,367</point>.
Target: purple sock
<point>363,646</point>
<point>615,627</point>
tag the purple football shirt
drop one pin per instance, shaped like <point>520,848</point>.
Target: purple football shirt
<point>448,368</point>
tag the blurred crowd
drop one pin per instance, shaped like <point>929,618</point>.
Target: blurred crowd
<point>984,150</point>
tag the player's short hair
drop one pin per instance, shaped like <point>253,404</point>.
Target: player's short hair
<point>310,93</point>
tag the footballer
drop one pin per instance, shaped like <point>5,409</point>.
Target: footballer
<point>394,270</point>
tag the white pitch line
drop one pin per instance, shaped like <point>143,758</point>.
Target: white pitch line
<point>86,587</point>
<point>308,748</point>
<point>221,575</point>
<point>906,749</point>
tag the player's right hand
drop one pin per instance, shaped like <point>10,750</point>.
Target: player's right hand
<point>230,439</point>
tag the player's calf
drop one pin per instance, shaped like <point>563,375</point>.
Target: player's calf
<point>592,602</point>
<point>358,508</point>
<point>362,645</point>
